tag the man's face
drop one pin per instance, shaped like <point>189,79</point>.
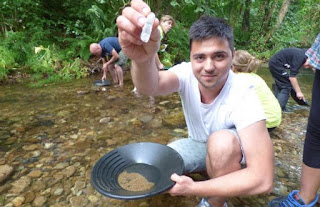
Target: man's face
<point>211,61</point>
<point>166,25</point>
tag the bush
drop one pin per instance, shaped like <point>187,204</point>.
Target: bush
<point>6,62</point>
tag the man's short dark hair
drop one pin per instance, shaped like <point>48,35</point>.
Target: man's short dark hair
<point>210,27</point>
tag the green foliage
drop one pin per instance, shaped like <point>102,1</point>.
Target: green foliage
<point>100,22</point>
<point>16,43</point>
<point>47,66</point>
<point>178,43</point>
<point>77,48</point>
<point>65,28</point>
<point>6,61</point>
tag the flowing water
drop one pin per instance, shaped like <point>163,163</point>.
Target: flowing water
<point>52,136</point>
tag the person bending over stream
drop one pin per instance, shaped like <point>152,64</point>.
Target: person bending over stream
<point>110,47</point>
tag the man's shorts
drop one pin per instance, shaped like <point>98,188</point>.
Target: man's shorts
<point>122,60</point>
<point>194,153</point>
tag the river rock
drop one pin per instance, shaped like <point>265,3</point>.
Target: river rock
<point>69,171</point>
<point>174,120</point>
<point>20,185</point>
<point>105,120</point>
<point>18,201</point>
<point>5,171</point>
<point>93,199</point>
<point>79,201</point>
<point>146,119</point>
<point>29,197</point>
<point>31,147</point>
<point>39,201</point>
<point>35,174</point>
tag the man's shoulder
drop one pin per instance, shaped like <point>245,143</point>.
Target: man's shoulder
<point>109,40</point>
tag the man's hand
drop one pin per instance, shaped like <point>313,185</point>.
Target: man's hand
<point>300,96</point>
<point>130,25</point>
<point>161,66</point>
<point>182,186</point>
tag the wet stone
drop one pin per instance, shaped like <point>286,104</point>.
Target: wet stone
<point>18,201</point>
<point>61,165</point>
<point>5,171</point>
<point>146,119</point>
<point>69,171</point>
<point>20,185</point>
<point>29,197</point>
<point>39,201</point>
<point>79,201</point>
<point>105,120</point>
<point>35,174</point>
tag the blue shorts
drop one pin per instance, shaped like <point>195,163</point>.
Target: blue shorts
<point>194,153</point>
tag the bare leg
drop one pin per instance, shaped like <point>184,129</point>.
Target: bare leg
<point>113,73</point>
<point>120,74</point>
<point>224,155</point>
<point>310,183</point>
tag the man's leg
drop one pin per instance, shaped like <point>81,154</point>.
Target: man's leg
<point>310,183</point>
<point>282,84</point>
<point>224,157</point>
<point>113,73</point>
<point>121,62</point>
<point>119,74</point>
<point>310,178</point>
<point>283,97</point>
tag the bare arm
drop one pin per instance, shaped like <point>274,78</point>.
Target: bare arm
<point>294,82</point>
<point>144,70</point>
<point>158,62</point>
<point>114,57</point>
<point>104,69</point>
<point>256,178</point>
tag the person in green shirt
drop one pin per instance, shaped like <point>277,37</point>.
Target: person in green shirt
<point>166,24</point>
<point>245,65</point>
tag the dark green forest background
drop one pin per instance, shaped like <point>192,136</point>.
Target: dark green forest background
<point>48,40</point>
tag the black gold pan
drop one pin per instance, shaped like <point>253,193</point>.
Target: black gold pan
<point>155,162</point>
<point>299,101</point>
<point>101,83</point>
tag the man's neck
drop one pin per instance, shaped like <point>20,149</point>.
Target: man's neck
<point>208,95</point>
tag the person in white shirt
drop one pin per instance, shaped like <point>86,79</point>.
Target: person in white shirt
<point>226,124</point>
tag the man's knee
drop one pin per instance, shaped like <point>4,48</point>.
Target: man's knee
<point>118,67</point>
<point>224,153</point>
<point>223,141</point>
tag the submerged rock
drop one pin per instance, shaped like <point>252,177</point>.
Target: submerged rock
<point>5,172</point>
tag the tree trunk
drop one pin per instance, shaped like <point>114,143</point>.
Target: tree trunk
<point>246,16</point>
<point>282,13</point>
<point>267,15</point>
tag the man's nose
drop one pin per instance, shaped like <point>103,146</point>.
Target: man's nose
<point>209,65</point>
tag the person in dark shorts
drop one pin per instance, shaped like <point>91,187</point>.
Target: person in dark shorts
<point>110,47</point>
<point>284,67</point>
<point>310,179</point>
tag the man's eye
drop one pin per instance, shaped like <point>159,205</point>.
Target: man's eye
<point>199,58</point>
<point>219,57</point>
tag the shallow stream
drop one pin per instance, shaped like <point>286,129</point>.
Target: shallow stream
<point>52,137</point>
